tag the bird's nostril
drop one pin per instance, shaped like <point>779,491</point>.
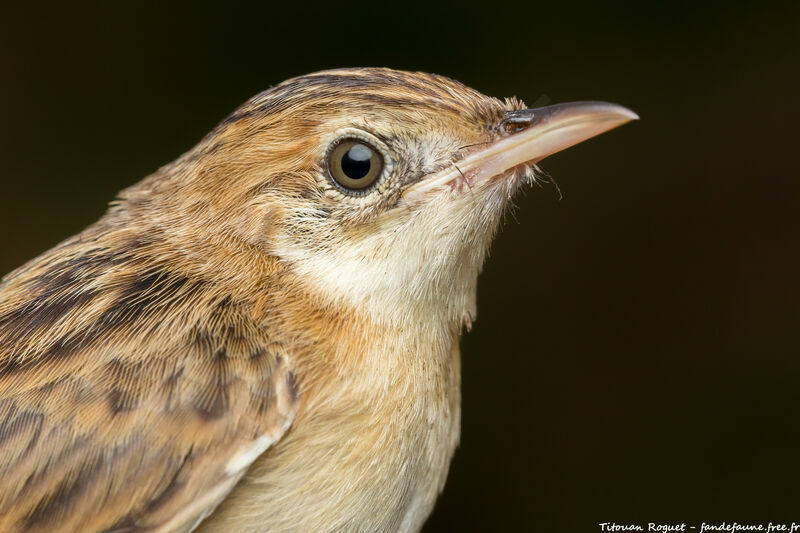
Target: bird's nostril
<point>510,126</point>
<point>514,121</point>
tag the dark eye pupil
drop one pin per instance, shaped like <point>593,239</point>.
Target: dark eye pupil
<point>356,162</point>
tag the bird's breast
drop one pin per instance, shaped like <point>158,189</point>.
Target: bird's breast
<point>370,448</point>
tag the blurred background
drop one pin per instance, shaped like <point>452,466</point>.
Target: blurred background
<point>637,352</point>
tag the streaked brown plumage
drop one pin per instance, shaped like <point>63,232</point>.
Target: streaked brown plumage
<point>241,342</point>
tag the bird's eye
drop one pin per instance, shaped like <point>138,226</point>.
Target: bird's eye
<point>354,164</point>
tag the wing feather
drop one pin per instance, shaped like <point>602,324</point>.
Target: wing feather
<point>132,399</point>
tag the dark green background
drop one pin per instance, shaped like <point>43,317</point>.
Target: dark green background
<point>636,356</point>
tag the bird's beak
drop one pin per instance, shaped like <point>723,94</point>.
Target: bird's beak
<point>527,136</point>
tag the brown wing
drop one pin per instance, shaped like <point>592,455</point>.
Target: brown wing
<point>131,398</point>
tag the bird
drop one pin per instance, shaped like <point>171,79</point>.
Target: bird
<point>263,335</point>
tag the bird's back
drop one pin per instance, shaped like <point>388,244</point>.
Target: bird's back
<point>127,390</point>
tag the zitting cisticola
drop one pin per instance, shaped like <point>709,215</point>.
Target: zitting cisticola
<point>263,335</point>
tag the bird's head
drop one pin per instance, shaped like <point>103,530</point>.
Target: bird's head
<point>376,189</point>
